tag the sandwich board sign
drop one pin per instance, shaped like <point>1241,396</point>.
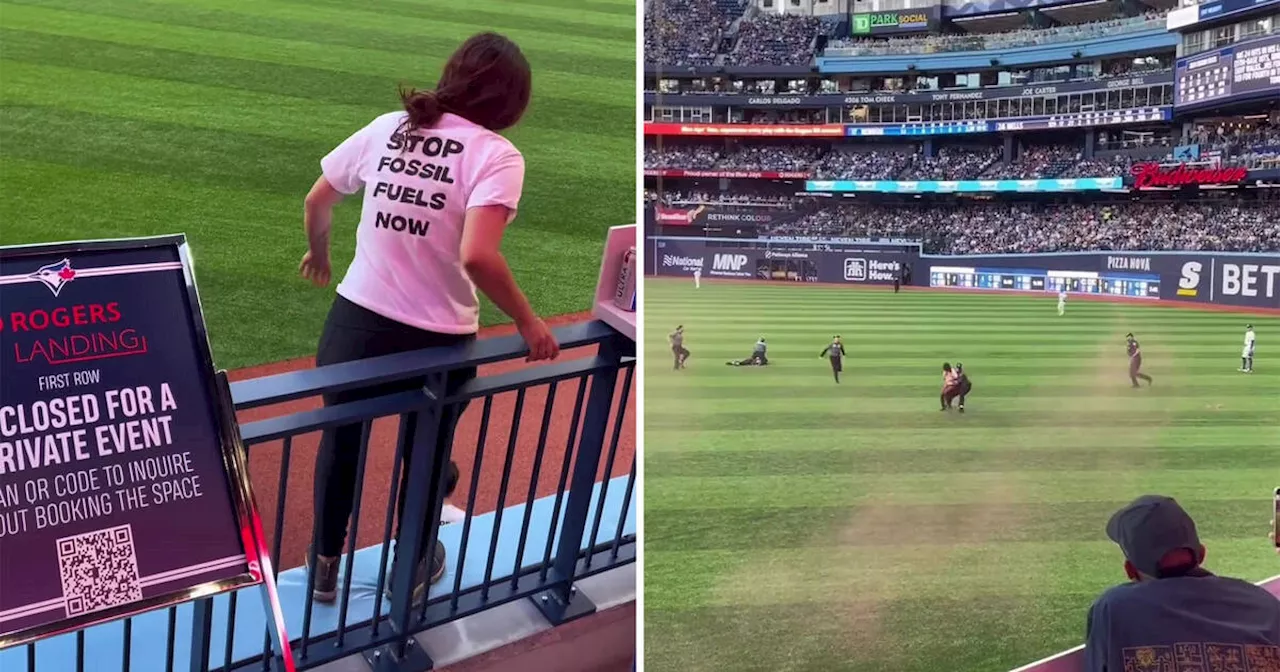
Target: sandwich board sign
<point>123,482</point>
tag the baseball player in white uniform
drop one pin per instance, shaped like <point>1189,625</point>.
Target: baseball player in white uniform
<point>1246,357</point>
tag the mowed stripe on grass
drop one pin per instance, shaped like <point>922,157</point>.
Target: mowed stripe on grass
<point>795,524</point>
<point>209,117</point>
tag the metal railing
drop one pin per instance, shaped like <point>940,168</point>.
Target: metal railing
<point>586,532</point>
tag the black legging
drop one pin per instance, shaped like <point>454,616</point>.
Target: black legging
<point>350,333</point>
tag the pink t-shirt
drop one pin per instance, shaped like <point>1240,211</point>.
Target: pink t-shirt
<point>417,190</point>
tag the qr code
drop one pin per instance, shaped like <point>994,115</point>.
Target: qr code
<point>99,570</point>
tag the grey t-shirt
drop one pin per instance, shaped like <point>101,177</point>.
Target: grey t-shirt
<point>1200,622</point>
<point>759,348</point>
<point>677,339</point>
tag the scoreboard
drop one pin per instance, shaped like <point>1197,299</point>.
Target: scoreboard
<point>1031,280</point>
<point>1245,70</point>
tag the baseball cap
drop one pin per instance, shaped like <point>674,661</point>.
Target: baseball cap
<point>1148,528</point>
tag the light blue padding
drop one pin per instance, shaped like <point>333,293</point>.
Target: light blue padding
<point>104,644</point>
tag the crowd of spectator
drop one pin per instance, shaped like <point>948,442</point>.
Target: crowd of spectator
<point>775,39</point>
<point>702,197</point>
<point>1116,165</point>
<point>685,156</point>
<point>1035,163</point>
<point>1003,228</point>
<point>951,163</point>
<point>1235,138</point>
<point>906,163</point>
<point>772,157</point>
<point>992,41</point>
<point>684,33</point>
<point>875,165</point>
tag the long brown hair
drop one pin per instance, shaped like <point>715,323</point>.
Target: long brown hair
<point>486,81</point>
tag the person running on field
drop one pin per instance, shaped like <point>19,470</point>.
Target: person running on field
<point>835,353</point>
<point>677,346</point>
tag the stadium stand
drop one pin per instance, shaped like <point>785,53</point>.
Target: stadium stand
<point>776,40</point>
<point>1000,228</point>
<point>685,32</point>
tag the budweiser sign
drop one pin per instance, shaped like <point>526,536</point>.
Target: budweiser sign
<point>1153,175</point>
<point>677,217</point>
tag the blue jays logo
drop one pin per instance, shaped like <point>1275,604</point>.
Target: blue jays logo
<point>55,276</point>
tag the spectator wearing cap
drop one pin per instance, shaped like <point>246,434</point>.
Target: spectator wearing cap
<point>1173,609</point>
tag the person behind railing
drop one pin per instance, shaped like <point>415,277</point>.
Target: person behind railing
<point>449,513</point>
<point>1173,609</point>
<point>440,187</point>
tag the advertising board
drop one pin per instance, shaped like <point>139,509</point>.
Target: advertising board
<point>923,128</point>
<point>729,174</point>
<point>1242,71</point>
<point>851,263</point>
<point>790,100</point>
<point>1244,280</point>
<point>1227,279</point>
<point>116,434</point>
<point>897,21</point>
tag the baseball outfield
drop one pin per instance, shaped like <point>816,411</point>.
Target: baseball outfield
<point>795,524</point>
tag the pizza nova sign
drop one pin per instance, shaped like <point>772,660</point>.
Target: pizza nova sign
<point>1149,175</point>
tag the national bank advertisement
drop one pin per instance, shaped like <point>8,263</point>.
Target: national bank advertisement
<point>852,262</point>
<point>1242,280</point>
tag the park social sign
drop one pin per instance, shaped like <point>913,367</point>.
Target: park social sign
<point>123,485</point>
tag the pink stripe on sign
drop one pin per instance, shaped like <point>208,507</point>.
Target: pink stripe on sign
<point>1072,660</point>
<point>101,270</point>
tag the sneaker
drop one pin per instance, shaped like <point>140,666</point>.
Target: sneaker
<point>424,575</point>
<point>326,578</point>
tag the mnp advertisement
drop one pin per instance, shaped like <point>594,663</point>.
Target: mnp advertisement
<point>854,263</point>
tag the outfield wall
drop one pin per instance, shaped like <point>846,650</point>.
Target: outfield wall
<point>1219,278</point>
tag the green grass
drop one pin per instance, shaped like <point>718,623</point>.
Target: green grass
<point>793,524</point>
<point>209,117</point>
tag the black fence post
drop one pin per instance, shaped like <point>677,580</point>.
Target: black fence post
<point>561,601</point>
<point>201,634</point>
<point>421,502</point>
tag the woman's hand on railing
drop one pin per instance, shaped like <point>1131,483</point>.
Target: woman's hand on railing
<point>542,343</point>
